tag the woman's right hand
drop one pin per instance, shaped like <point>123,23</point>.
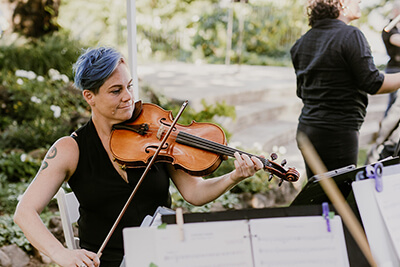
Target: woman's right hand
<point>76,258</point>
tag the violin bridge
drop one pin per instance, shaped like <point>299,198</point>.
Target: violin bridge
<point>160,131</point>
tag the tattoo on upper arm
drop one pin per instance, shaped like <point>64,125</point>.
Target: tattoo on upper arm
<point>51,155</point>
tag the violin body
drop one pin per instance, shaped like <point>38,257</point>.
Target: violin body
<point>133,149</point>
<point>198,148</point>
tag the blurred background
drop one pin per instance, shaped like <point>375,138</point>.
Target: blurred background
<point>41,39</point>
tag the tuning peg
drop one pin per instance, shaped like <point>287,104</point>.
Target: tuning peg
<point>280,182</point>
<point>270,177</point>
<point>273,156</point>
<point>283,163</point>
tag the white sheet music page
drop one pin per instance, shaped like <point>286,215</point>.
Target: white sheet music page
<point>389,205</point>
<point>298,241</point>
<point>206,244</point>
<point>377,233</point>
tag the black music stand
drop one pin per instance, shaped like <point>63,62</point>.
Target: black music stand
<point>312,193</point>
<point>397,149</point>
<point>356,258</point>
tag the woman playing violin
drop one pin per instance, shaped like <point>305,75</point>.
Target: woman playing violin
<point>85,161</point>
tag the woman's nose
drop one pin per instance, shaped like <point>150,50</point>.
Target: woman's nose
<point>128,95</point>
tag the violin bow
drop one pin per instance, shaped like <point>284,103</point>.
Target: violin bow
<point>185,103</point>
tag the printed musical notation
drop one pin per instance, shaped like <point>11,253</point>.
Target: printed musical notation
<point>380,214</point>
<point>389,204</point>
<point>258,242</point>
<point>305,239</point>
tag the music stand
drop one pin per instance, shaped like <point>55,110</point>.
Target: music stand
<point>397,149</point>
<point>312,193</point>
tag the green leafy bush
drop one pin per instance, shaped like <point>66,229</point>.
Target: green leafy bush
<point>10,233</point>
<point>207,114</point>
<point>18,166</point>
<point>56,51</point>
<point>9,193</point>
<point>37,110</point>
<point>265,37</point>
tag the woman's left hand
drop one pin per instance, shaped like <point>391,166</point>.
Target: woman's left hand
<point>245,167</point>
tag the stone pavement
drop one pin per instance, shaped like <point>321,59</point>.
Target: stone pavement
<point>264,98</point>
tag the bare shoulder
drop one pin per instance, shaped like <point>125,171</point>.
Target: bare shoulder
<point>62,156</point>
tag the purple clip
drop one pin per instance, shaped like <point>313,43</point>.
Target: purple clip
<point>375,172</point>
<point>325,213</point>
<point>378,177</point>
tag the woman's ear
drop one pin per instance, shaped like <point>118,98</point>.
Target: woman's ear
<point>89,97</point>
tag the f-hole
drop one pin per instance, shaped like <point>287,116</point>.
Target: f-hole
<point>147,150</point>
<point>162,121</point>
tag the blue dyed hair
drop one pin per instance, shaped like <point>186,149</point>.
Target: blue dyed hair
<point>94,67</point>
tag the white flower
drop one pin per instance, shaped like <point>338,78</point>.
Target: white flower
<point>56,76</point>
<point>20,81</point>
<point>36,100</point>
<point>20,73</point>
<point>56,110</point>
<point>25,74</point>
<point>53,72</point>
<point>40,78</point>
<point>31,75</point>
<point>64,78</point>
<point>23,157</point>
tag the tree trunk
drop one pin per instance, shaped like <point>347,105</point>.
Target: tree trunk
<point>35,18</point>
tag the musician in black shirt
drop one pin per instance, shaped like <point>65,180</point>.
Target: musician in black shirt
<point>335,73</point>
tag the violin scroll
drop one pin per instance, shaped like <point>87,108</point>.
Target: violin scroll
<point>278,170</point>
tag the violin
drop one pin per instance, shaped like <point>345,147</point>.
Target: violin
<point>152,135</point>
<point>198,148</point>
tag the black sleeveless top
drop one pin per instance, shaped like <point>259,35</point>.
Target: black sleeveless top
<point>102,193</point>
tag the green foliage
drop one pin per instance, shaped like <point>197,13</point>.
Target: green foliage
<point>17,166</point>
<point>57,51</point>
<point>261,41</point>
<point>227,201</point>
<point>207,114</point>
<point>10,233</point>
<point>362,156</point>
<point>37,110</point>
<point>256,184</point>
<point>9,193</point>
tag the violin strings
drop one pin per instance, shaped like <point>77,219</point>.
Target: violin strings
<point>209,145</point>
<point>214,146</point>
<point>202,143</point>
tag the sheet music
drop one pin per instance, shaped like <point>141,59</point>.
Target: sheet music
<point>376,231</point>
<point>389,204</point>
<point>277,242</point>
<point>298,241</point>
<point>213,244</point>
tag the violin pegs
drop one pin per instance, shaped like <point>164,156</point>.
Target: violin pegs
<point>273,156</point>
<point>270,177</point>
<point>280,182</point>
<point>283,163</point>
